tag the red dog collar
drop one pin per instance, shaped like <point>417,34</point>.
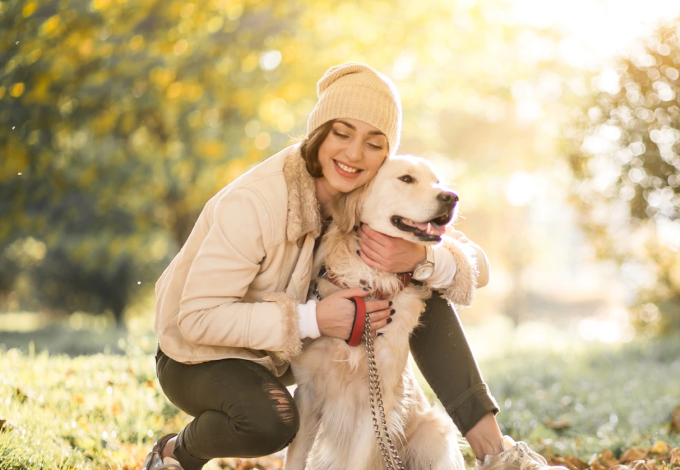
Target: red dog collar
<point>404,281</point>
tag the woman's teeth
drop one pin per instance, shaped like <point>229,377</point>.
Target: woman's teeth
<point>346,168</point>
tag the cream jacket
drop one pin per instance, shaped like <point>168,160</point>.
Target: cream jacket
<point>233,289</point>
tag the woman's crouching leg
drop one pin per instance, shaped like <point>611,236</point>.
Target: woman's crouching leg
<point>240,408</point>
<point>444,357</point>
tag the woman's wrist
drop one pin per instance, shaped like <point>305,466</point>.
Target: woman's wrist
<point>419,255</point>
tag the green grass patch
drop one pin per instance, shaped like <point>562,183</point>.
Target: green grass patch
<point>97,411</point>
<point>105,410</point>
<point>583,401</point>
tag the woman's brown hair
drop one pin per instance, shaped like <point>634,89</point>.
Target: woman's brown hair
<point>309,149</point>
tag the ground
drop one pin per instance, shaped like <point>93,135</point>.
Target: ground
<point>589,407</point>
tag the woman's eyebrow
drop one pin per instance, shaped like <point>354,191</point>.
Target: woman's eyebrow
<point>354,128</point>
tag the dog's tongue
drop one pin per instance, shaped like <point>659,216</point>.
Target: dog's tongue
<point>429,228</point>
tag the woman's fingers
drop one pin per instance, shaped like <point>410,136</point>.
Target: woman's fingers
<point>380,312</point>
<point>377,258</point>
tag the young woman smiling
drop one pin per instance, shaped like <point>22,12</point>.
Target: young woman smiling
<point>232,306</point>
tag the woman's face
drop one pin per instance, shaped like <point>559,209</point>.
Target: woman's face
<point>351,155</point>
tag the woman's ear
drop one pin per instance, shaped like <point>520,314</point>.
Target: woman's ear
<point>346,209</point>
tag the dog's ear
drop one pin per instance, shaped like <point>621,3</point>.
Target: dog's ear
<point>346,209</point>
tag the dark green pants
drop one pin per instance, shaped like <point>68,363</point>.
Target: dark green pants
<point>243,410</point>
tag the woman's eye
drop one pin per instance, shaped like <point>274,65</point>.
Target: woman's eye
<point>407,179</point>
<point>375,146</point>
<point>342,136</point>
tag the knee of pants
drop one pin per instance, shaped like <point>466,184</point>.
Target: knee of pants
<point>274,431</point>
<point>270,422</point>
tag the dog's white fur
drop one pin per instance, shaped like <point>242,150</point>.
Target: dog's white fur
<point>336,428</point>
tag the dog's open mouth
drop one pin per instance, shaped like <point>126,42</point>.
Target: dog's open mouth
<point>430,231</point>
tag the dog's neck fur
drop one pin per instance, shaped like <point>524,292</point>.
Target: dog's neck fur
<point>347,267</point>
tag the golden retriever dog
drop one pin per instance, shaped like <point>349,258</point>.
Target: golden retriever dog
<point>336,431</point>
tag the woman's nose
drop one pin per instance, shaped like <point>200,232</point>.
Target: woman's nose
<point>354,150</point>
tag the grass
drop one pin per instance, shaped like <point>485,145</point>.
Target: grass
<point>581,402</point>
<point>105,410</point>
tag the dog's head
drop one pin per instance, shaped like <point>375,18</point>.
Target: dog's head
<point>405,199</point>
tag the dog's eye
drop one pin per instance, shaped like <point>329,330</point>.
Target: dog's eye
<point>407,179</point>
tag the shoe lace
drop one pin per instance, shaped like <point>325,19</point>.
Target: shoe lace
<point>168,466</point>
<point>529,460</point>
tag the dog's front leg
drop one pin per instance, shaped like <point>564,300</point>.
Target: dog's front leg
<point>310,417</point>
<point>364,452</point>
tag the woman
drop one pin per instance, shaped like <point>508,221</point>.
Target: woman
<point>232,306</point>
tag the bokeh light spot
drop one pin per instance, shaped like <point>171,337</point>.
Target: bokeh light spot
<point>521,189</point>
<point>270,60</point>
<point>262,141</point>
<point>215,24</point>
<point>278,106</point>
<point>187,10</point>
<point>17,90</point>
<point>29,9</point>
<point>174,90</point>
<point>180,47</point>
<point>136,42</point>
<point>252,128</point>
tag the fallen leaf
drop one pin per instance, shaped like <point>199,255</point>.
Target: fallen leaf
<point>660,447</point>
<point>594,462</point>
<point>633,454</point>
<point>607,458</point>
<point>675,456</point>
<point>557,425</point>
<point>576,462</point>
<point>597,466</point>
<point>83,422</point>
<point>675,420</point>
<point>571,462</point>
<point>556,461</point>
<point>21,396</point>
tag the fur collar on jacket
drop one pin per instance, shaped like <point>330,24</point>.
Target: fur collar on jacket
<point>303,208</point>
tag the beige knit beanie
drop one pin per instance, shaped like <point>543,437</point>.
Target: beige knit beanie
<point>359,92</point>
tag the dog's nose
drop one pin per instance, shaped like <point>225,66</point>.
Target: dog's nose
<point>448,198</point>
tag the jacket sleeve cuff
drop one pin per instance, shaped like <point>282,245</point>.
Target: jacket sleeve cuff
<point>309,327</point>
<point>444,268</point>
<point>462,290</point>
<point>292,343</point>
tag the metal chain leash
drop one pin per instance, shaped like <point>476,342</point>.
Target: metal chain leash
<point>391,459</point>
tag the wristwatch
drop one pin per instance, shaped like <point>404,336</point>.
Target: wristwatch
<point>425,268</point>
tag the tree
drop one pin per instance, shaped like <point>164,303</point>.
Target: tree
<point>120,119</point>
<point>627,163</point>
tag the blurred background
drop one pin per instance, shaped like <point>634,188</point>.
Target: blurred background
<point>557,121</point>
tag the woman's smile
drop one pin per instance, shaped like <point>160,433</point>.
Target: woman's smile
<point>346,170</point>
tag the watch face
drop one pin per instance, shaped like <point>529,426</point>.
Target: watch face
<point>423,272</point>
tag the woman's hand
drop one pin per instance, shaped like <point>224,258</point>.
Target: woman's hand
<point>335,313</point>
<point>385,253</point>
